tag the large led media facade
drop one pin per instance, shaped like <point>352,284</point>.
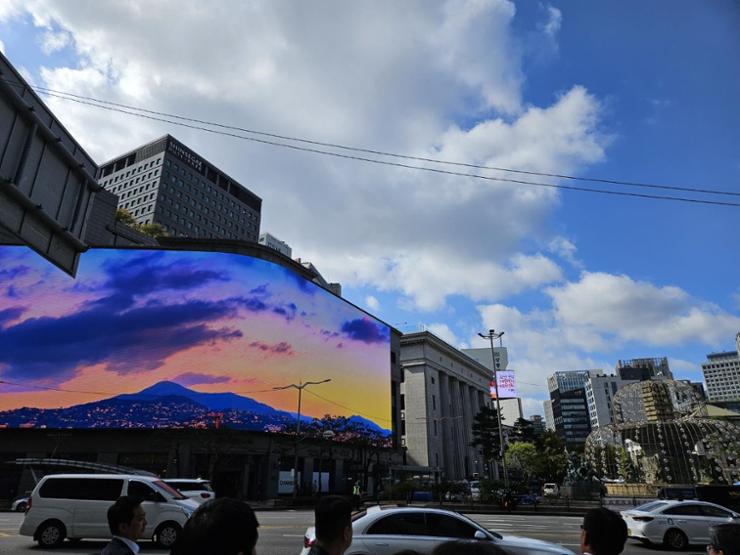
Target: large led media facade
<point>183,339</point>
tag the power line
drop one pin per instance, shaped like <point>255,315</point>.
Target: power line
<point>406,166</point>
<point>64,95</point>
<point>142,113</point>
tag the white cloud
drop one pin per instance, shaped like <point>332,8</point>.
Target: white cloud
<point>605,307</point>
<point>554,21</point>
<point>372,302</point>
<point>566,250</point>
<point>444,332</point>
<point>53,41</point>
<point>2,47</point>
<point>377,75</point>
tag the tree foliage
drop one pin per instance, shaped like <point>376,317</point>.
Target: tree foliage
<point>485,433</point>
<point>553,457</point>
<point>523,430</point>
<point>152,230</point>
<point>523,459</point>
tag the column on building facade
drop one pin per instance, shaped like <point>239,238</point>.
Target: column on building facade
<point>456,426</point>
<point>474,409</point>
<point>447,454</point>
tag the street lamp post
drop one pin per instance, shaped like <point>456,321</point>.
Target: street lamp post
<point>300,386</point>
<point>491,335</point>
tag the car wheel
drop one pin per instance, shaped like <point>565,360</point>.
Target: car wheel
<point>21,507</point>
<point>675,539</point>
<point>51,534</point>
<point>167,534</point>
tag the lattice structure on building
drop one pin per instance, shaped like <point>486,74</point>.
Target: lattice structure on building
<point>657,438</point>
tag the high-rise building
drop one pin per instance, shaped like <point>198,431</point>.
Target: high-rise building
<point>269,240</point>
<point>599,393</point>
<point>722,375</point>
<point>641,369</point>
<point>166,183</point>
<point>569,406</point>
<point>441,393</point>
<point>549,417</point>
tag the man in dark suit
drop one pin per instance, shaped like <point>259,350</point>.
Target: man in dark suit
<point>127,521</point>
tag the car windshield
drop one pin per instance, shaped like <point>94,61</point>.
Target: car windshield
<point>172,492</point>
<point>647,507</point>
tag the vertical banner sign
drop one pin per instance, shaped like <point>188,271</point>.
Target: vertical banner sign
<point>506,385</point>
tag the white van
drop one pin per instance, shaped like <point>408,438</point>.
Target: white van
<point>551,490</point>
<point>75,506</point>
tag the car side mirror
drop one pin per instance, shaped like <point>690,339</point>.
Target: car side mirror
<point>480,535</point>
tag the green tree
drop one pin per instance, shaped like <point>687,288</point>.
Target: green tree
<point>152,230</point>
<point>485,433</point>
<point>523,458</point>
<point>523,430</point>
<point>553,459</point>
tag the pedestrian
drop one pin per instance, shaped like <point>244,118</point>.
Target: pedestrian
<point>357,495</point>
<point>603,532</point>
<point>126,520</point>
<point>333,526</point>
<point>468,547</point>
<point>724,539</point>
<point>222,526</point>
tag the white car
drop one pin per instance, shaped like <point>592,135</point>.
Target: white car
<point>550,490</point>
<point>20,504</point>
<point>197,489</point>
<point>75,506</point>
<point>388,530</point>
<point>675,524</point>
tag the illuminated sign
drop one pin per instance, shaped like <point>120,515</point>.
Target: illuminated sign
<point>506,385</point>
<point>181,339</point>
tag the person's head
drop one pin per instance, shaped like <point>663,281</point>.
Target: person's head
<point>126,518</point>
<point>603,532</point>
<point>221,526</point>
<point>334,523</point>
<point>724,539</point>
<point>468,547</point>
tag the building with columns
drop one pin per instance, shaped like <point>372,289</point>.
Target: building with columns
<point>442,390</point>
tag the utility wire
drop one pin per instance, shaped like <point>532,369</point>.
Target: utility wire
<point>347,408</point>
<point>401,165</point>
<point>64,94</point>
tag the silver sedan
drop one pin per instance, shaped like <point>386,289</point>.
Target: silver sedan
<point>387,530</point>
<point>676,524</point>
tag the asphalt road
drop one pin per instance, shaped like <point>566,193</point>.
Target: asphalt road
<point>281,532</point>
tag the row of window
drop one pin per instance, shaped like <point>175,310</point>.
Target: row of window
<point>200,186</point>
<point>131,173</point>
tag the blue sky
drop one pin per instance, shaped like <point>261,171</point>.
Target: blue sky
<point>634,91</point>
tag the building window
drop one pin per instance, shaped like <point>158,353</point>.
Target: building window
<point>434,402</point>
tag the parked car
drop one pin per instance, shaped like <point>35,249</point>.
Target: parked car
<point>676,524</point>
<point>75,506</point>
<point>197,489</point>
<point>387,530</point>
<point>20,504</point>
<point>550,490</point>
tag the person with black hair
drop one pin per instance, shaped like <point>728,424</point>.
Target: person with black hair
<point>126,520</point>
<point>222,526</point>
<point>603,532</point>
<point>333,526</point>
<point>724,539</point>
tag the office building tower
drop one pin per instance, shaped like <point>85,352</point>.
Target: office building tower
<point>722,375</point>
<point>599,393</point>
<point>569,405</point>
<point>641,369</point>
<point>549,416</point>
<point>274,243</point>
<point>538,424</point>
<point>164,182</point>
